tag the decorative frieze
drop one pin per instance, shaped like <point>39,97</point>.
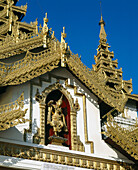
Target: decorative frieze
<point>58,157</point>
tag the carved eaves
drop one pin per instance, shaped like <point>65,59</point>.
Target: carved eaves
<point>33,65</point>
<point>96,82</point>
<point>106,82</point>
<point>11,114</point>
<point>19,42</point>
<point>36,64</point>
<point>9,47</point>
<point>127,139</point>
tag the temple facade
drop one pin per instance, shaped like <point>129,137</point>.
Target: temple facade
<point>55,112</point>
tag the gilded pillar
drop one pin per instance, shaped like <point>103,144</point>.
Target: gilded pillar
<point>73,124</point>
<point>42,122</point>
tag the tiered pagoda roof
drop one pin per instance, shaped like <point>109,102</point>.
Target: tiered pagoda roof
<point>104,80</point>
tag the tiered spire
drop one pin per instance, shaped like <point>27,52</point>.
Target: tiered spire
<point>106,66</point>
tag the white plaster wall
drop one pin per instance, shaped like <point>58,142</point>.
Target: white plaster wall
<point>13,93</point>
<point>92,110</point>
<point>35,104</point>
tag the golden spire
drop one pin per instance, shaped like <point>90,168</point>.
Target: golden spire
<point>102,34</point>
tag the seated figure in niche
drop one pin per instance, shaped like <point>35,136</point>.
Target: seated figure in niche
<point>56,118</point>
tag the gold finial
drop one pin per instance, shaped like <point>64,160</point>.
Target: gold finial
<point>36,25</point>
<point>63,47</point>
<point>101,21</point>
<point>45,30</point>
<point>46,15</point>
<point>102,34</point>
<point>46,19</point>
<point>25,6</point>
<point>63,29</point>
<point>53,34</point>
<point>64,34</point>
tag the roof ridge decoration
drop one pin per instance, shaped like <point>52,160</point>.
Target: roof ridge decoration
<point>63,47</point>
<point>45,31</point>
<point>12,114</point>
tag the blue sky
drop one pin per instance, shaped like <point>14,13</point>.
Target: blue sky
<point>81,20</point>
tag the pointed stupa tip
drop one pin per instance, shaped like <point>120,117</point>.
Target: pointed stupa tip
<point>102,34</point>
<point>101,21</point>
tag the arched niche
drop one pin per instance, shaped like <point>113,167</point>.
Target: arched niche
<point>43,98</point>
<point>54,96</point>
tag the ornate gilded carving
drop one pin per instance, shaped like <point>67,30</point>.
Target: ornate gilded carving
<point>9,47</point>
<point>42,62</point>
<point>80,146</point>
<point>36,137</point>
<point>76,105</point>
<point>17,37</point>
<point>96,82</point>
<point>12,114</point>
<point>75,145</point>
<point>45,31</point>
<point>126,138</point>
<point>55,116</point>
<point>54,156</point>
